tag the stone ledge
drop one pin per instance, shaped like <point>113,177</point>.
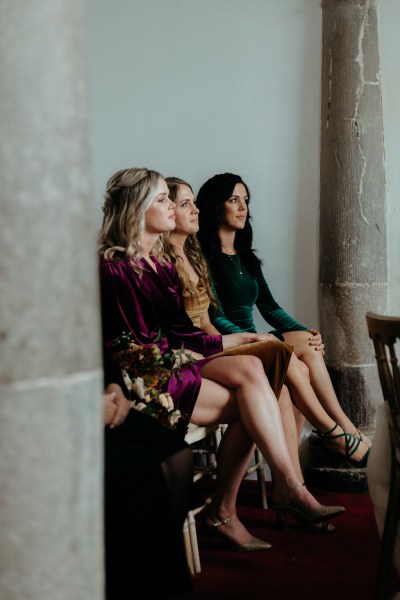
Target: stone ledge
<point>326,471</point>
<point>337,480</point>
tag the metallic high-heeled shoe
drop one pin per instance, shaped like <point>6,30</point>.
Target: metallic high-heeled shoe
<point>254,545</point>
<point>282,505</point>
<point>323,527</point>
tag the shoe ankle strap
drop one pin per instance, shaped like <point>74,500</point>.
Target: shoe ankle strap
<point>217,523</point>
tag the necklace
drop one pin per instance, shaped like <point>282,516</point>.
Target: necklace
<point>239,268</point>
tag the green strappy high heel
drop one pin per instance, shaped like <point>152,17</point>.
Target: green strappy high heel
<point>363,438</point>
<point>352,443</point>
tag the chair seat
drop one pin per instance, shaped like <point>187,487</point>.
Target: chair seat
<point>196,433</point>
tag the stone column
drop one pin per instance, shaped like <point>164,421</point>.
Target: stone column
<point>353,238</point>
<point>50,376</point>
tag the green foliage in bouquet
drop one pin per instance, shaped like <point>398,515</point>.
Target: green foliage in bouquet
<point>145,370</point>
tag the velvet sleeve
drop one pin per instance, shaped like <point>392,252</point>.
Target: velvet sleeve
<point>151,307</point>
<point>270,310</point>
<point>123,307</point>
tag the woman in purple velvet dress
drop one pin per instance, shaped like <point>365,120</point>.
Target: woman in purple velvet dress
<point>141,294</point>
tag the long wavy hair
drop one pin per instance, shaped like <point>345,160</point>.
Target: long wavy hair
<point>191,248</point>
<point>129,193</point>
<point>210,199</point>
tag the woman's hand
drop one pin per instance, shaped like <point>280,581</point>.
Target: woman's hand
<point>316,340</point>
<point>237,339</point>
<point>109,407</point>
<point>116,406</point>
<point>265,337</point>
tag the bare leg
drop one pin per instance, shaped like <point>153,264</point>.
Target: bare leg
<point>298,416</point>
<point>247,394</point>
<point>257,408</point>
<point>289,425</point>
<point>245,400</point>
<point>320,379</point>
<point>307,402</point>
<point>235,451</point>
<point>300,421</point>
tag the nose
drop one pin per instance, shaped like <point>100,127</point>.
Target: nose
<point>243,204</point>
<point>195,210</point>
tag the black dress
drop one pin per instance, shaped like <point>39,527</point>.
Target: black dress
<point>148,485</point>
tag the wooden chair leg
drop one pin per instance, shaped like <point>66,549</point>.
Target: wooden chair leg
<point>194,542</point>
<point>188,546</point>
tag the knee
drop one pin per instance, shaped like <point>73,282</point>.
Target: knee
<point>251,367</point>
<point>300,341</point>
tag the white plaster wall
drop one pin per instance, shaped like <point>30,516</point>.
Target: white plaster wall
<point>197,87</point>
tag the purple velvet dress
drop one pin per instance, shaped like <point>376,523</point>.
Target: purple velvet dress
<point>148,304</point>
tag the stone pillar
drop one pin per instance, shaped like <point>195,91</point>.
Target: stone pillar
<point>353,238</point>
<point>51,538</point>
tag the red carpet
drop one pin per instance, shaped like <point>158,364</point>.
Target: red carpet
<point>337,566</point>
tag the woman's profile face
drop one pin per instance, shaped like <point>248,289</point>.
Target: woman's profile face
<point>160,216</point>
<point>186,211</point>
<point>234,210</point>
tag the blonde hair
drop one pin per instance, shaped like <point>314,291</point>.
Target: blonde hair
<point>129,193</point>
<point>192,250</point>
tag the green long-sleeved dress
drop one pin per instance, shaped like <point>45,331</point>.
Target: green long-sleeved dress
<point>238,291</point>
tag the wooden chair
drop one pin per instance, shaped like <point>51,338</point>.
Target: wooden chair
<point>204,442</point>
<point>385,332</point>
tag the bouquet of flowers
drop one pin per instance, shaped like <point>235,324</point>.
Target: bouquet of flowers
<point>145,370</point>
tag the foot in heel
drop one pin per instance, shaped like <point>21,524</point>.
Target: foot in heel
<point>323,527</point>
<point>352,444</point>
<point>215,527</point>
<point>286,503</point>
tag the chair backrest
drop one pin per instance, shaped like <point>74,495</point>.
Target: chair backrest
<point>385,334</point>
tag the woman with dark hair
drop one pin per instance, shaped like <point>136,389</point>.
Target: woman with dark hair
<point>226,237</point>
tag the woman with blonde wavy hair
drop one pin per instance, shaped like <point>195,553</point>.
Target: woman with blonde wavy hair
<point>141,294</point>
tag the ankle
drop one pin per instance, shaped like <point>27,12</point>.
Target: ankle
<point>219,512</point>
<point>331,431</point>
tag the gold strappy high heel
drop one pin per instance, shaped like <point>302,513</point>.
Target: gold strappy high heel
<point>254,545</point>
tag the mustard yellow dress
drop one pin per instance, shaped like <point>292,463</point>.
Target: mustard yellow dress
<point>275,355</point>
